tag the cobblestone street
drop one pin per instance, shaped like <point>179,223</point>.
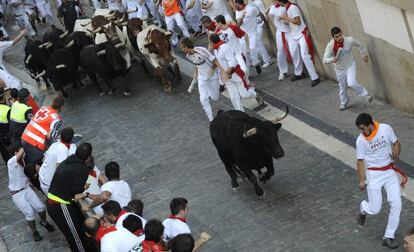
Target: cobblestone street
<point>162,143</point>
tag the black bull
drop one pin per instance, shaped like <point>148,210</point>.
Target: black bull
<point>245,144</point>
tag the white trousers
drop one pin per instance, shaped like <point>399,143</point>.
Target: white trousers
<point>179,20</point>
<point>299,51</point>
<point>260,47</point>
<point>23,22</point>
<point>237,91</point>
<point>45,11</point>
<point>28,203</point>
<point>208,89</point>
<point>281,53</point>
<point>253,58</point>
<point>347,77</point>
<point>96,4</point>
<point>390,181</point>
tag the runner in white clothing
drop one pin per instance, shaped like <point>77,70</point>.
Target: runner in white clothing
<point>22,19</point>
<point>301,44</point>
<point>43,6</point>
<point>339,52</point>
<point>282,38</point>
<point>235,84</point>
<point>377,148</point>
<point>206,73</point>
<point>56,154</point>
<point>23,195</point>
<point>213,8</point>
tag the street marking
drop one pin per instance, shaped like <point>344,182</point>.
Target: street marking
<point>326,143</point>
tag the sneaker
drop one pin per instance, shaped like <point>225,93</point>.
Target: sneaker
<point>267,64</point>
<point>343,106</point>
<point>259,99</point>
<point>258,69</point>
<point>127,94</point>
<point>48,227</point>
<point>282,76</point>
<point>361,219</point>
<point>390,243</point>
<point>370,98</point>
<point>36,236</point>
<point>315,82</point>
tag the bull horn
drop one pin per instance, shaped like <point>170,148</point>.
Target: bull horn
<point>86,24</point>
<point>133,11</point>
<point>100,53</point>
<point>97,30</point>
<point>43,44</point>
<point>70,44</point>
<point>167,33</point>
<point>110,15</point>
<point>64,34</point>
<point>28,59</point>
<point>40,75</point>
<point>61,66</point>
<point>115,38</point>
<point>91,32</point>
<point>119,45</point>
<point>281,117</point>
<point>250,132</point>
<point>49,45</point>
<point>124,23</point>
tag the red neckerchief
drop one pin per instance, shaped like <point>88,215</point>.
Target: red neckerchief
<point>218,44</point>
<point>120,214</point>
<point>337,45</point>
<point>92,173</point>
<point>102,231</point>
<point>277,5</point>
<point>152,246</point>
<point>172,216</point>
<point>212,26</point>
<point>66,144</point>
<point>288,4</point>
<point>138,232</point>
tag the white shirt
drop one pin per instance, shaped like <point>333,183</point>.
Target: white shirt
<point>203,60</point>
<point>376,153</point>
<point>276,13</point>
<point>17,8</point>
<point>174,227</point>
<point>219,7</point>
<point>3,46</point>
<point>225,56</point>
<point>262,8</point>
<point>17,179</point>
<point>10,80</point>
<point>120,191</point>
<point>56,154</point>
<point>114,5</point>
<point>345,57</point>
<point>249,24</point>
<point>131,5</point>
<point>94,182</point>
<point>120,240</point>
<point>296,29</point>
<point>230,37</point>
<point>120,221</point>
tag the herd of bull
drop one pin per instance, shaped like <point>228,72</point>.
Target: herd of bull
<point>101,46</point>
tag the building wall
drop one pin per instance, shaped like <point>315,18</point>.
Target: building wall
<point>385,26</point>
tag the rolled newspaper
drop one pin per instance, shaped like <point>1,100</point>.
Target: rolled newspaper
<point>192,86</point>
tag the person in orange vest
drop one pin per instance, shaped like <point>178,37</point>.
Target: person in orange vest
<point>20,115</point>
<point>42,130</point>
<point>173,13</point>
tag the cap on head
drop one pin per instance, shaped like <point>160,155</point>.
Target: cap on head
<point>23,94</point>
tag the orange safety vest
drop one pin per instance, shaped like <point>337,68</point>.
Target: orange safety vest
<point>37,130</point>
<point>171,7</point>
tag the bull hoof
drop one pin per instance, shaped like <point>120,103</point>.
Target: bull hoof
<point>236,189</point>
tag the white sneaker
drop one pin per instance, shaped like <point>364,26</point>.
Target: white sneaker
<point>370,98</point>
<point>282,76</point>
<point>343,106</point>
<point>267,64</point>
